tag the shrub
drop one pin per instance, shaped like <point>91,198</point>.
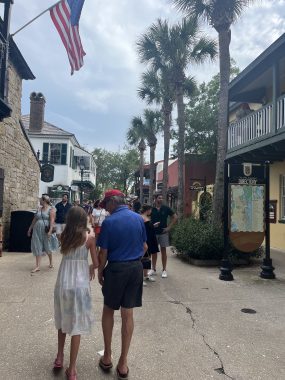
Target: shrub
<point>204,240</point>
<point>198,240</point>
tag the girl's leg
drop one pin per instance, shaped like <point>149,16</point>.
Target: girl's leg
<point>50,260</point>
<point>74,347</point>
<point>58,363</point>
<point>61,342</point>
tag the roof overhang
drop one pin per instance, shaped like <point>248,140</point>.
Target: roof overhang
<point>256,72</point>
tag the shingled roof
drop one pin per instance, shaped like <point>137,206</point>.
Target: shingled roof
<point>48,129</point>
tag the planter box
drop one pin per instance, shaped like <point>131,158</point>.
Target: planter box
<point>204,263</point>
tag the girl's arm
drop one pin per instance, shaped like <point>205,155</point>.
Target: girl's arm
<point>51,220</point>
<point>91,245</point>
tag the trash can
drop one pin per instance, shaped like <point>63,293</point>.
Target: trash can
<point>20,223</point>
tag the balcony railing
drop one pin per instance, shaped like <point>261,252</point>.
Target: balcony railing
<point>251,127</point>
<point>256,125</point>
<point>281,113</point>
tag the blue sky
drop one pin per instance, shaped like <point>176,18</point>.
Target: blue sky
<point>98,102</point>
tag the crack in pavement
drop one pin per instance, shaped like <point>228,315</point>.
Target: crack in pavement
<point>220,370</point>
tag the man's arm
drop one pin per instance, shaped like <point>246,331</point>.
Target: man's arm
<point>173,220</point>
<point>103,254</point>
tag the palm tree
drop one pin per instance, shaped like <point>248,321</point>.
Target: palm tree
<point>220,15</point>
<point>155,88</point>
<point>139,131</point>
<point>170,50</point>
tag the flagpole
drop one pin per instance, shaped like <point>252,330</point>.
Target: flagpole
<point>24,26</point>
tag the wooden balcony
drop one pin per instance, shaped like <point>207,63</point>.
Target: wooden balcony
<point>257,126</point>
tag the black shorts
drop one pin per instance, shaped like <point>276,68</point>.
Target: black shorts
<point>123,282</point>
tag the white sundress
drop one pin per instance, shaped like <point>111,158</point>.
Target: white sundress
<point>72,294</point>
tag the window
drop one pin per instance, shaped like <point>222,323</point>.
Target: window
<point>282,196</point>
<point>55,153</point>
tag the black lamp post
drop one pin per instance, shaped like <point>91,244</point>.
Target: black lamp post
<point>82,167</point>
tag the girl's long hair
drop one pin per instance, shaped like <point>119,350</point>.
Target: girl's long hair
<point>74,234</point>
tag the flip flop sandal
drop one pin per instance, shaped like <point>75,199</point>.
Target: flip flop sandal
<point>58,363</point>
<point>105,367</point>
<point>35,270</point>
<point>122,376</point>
<point>70,376</point>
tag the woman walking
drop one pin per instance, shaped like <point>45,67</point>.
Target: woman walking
<point>146,211</point>
<point>43,240</point>
<point>72,296</point>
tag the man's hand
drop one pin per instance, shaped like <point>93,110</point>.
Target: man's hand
<point>100,277</point>
<point>91,272</point>
<point>165,230</point>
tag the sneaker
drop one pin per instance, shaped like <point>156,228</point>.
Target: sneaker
<point>149,278</point>
<point>144,283</point>
<point>152,272</point>
<point>164,274</point>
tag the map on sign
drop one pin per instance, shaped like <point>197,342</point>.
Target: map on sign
<point>247,208</point>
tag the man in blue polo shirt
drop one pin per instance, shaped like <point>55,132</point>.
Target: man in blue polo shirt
<point>122,243</point>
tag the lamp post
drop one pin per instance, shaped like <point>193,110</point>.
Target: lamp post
<point>82,167</point>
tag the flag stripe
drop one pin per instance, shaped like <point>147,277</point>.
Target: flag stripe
<point>61,16</point>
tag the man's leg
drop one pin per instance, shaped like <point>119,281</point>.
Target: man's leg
<point>127,333</point>
<point>107,326</point>
<point>154,260</point>
<point>163,257</point>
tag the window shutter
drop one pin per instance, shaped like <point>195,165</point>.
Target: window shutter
<point>63,154</point>
<point>70,157</point>
<point>1,191</point>
<point>45,152</point>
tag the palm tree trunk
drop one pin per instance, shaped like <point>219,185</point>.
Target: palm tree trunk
<point>224,55</point>
<point>167,109</point>
<point>180,149</point>
<point>141,149</point>
<point>151,172</point>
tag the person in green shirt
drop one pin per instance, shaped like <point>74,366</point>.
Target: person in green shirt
<point>159,217</point>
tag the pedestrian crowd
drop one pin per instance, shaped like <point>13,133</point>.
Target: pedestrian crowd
<point>123,249</point>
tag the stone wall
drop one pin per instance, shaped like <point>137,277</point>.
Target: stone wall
<point>21,168</point>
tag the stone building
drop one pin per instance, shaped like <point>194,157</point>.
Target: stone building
<point>19,166</point>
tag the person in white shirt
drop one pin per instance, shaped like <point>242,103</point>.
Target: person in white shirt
<point>98,215</point>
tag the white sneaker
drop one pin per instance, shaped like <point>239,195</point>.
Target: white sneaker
<point>152,272</point>
<point>149,278</point>
<point>144,283</point>
<point>164,274</point>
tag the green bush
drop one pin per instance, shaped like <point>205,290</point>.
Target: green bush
<point>204,240</point>
<point>198,240</point>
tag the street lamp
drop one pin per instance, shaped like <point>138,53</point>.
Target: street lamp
<point>82,167</point>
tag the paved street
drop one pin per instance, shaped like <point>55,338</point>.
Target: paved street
<point>190,327</point>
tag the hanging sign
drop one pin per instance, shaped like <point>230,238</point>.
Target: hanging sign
<point>47,173</point>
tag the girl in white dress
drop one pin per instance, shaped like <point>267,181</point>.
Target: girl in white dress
<point>72,297</point>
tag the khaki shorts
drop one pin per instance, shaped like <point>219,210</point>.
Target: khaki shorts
<point>59,228</point>
<point>163,240</point>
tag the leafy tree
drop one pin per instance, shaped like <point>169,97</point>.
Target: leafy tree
<point>220,15</point>
<point>173,49</point>
<point>156,88</point>
<point>145,129</point>
<point>202,117</point>
<point>115,170</point>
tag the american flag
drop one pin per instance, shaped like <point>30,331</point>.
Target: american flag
<point>65,16</point>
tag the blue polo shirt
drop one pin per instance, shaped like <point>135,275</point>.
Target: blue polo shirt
<point>123,234</point>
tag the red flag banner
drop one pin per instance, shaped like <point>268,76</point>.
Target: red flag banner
<point>65,16</point>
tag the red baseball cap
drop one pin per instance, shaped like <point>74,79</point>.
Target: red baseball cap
<point>109,194</point>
